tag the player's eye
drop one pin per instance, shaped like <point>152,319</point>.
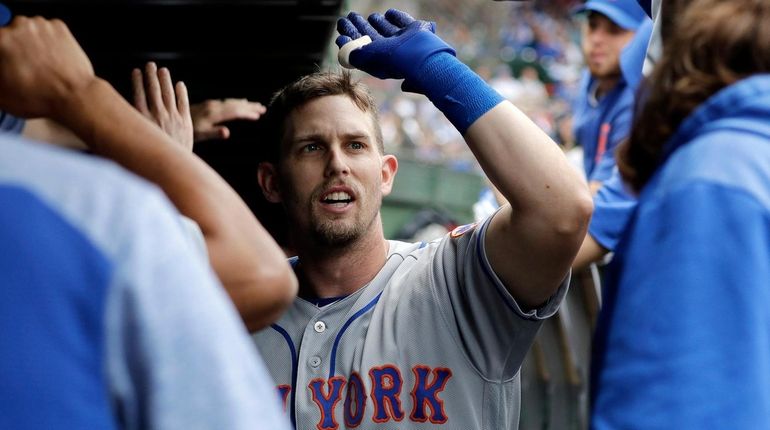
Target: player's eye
<point>311,147</point>
<point>356,145</point>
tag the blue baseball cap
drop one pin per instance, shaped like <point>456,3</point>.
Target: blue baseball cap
<point>627,14</point>
<point>5,15</point>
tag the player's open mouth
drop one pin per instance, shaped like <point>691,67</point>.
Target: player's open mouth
<point>337,199</point>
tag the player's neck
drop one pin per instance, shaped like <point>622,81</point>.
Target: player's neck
<point>605,85</point>
<point>342,271</point>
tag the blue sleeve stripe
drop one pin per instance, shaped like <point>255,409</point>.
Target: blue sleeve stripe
<point>347,324</point>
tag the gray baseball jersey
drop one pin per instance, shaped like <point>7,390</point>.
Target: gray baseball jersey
<point>433,340</point>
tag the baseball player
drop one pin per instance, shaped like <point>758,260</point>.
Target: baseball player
<point>613,203</point>
<point>603,108</point>
<point>389,334</point>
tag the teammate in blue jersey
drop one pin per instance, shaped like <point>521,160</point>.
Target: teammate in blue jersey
<point>387,334</point>
<point>604,104</point>
<point>613,202</point>
<point>110,317</point>
<point>682,340</point>
<point>244,256</point>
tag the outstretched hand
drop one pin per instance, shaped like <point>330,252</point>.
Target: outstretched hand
<point>43,68</point>
<point>163,103</point>
<point>399,43</point>
<point>209,115</point>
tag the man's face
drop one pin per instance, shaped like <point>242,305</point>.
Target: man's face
<point>332,176</point>
<point>603,40</point>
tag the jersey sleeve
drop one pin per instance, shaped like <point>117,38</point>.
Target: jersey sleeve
<point>494,330</point>
<point>613,206</point>
<point>686,318</point>
<point>178,355</point>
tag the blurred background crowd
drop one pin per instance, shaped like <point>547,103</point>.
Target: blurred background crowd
<point>528,51</point>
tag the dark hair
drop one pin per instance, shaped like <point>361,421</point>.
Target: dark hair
<point>310,87</point>
<point>707,46</point>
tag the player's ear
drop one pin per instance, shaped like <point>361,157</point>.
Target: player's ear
<point>267,176</point>
<point>389,168</point>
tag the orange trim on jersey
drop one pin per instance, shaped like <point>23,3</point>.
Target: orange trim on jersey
<point>283,391</point>
<point>389,409</point>
<point>604,135</point>
<point>354,382</point>
<point>437,415</point>
<point>335,394</point>
<point>459,231</point>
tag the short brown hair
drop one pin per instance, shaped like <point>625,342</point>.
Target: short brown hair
<point>310,87</point>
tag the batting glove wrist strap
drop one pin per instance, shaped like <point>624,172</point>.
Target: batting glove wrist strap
<point>454,88</point>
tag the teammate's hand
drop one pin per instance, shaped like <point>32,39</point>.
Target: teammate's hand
<point>156,97</point>
<point>400,44</point>
<point>207,116</point>
<point>43,68</point>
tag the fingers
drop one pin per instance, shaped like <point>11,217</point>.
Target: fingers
<point>140,99</point>
<point>158,91</point>
<point>342,40</point>
<point>398,18</point>
<point>164,103</point>
<point>347,29</point>
<point>216,111</point>
<point>363,26</point>
<point>207,116</point>
<point>182,99</point>
<point>239,109</point>
<point>152,87</point>
<point>167,89</point>
<point>382,25</point>
<point>217,132</point>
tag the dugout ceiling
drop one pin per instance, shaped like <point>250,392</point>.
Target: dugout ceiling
<point>220,48</point>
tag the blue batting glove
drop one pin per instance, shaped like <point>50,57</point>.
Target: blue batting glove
<point>396,46</point>
<point>399,43</point>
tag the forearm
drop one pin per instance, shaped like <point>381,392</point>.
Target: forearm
<point>248,262</point>
<point>531,242</point>
<point>526,166</point>
<point>590,252</point>
<point>46,130</point>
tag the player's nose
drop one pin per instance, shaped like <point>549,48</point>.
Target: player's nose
<point>336,162</point>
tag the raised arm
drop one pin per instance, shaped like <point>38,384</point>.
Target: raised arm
<point>45,73</point>
<point>532,241</point>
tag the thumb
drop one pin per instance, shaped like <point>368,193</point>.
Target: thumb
<point>216,132</point>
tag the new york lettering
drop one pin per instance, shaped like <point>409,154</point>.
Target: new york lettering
<point>387,386</point>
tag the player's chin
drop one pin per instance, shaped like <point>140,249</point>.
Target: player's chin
<point>336,232</point>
